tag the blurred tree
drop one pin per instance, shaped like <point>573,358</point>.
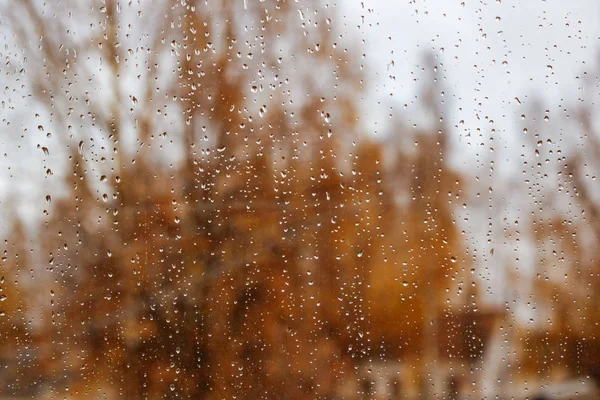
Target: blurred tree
<point>19,372</point>
<point>227,229</point>
<point>564,229</point>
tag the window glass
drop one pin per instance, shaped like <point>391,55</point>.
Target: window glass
<point>299,199</point>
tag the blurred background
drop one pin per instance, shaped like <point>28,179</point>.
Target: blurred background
<point>277,199</point>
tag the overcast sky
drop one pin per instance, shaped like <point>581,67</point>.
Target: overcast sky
<point>492,51</point>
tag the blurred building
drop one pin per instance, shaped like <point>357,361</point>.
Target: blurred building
<point>466,363</point>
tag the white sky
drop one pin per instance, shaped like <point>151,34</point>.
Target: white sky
<point>529,35</point>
